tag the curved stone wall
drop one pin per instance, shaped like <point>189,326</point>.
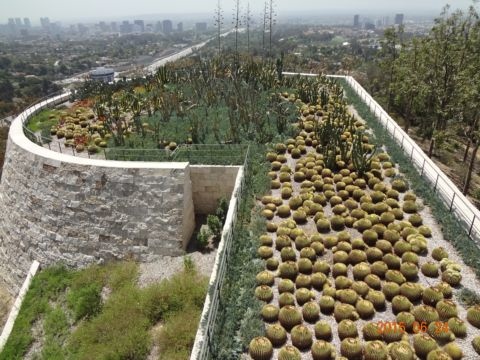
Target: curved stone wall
<point>60,208</point>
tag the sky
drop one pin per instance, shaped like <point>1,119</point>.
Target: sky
<point>73,9</point>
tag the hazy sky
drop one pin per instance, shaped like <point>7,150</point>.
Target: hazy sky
<point>76,9</point>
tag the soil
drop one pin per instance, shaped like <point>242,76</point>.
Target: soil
<point>6,302</point>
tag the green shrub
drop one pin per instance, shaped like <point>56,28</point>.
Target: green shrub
<point>202,238</point>
<point>215,226</point>
<point>85,302</point>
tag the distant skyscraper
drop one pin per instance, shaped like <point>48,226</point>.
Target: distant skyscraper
<point>11,26</point>
<point>114,26</point>
<point>140,25</point>
<point>45,22</point>
<point>125,27</point>
<point>180,27</point>
<point>18,22</point>
<point>356,21</point>
<point>167,26</point>
<point>386,21</point>
<point>158,26</point>
<point>27,22</point>
<point>399,19</point>
<point>201,26</point>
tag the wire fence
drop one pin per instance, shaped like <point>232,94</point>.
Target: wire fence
<point>446,190</point>
<point>205,341</point>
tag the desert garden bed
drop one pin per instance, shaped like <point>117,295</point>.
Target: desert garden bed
<point>349,246</point>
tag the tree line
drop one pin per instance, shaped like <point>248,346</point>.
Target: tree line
<point>433,82</point>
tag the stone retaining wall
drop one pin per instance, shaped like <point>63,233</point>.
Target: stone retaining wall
<point>210,183</point>
<point>60,208</point>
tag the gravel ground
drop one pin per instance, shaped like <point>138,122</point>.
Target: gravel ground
<point>6,302</point>
<point>437,239</point>
<point>167,266</point>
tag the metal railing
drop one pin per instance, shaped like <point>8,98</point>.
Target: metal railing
<point>203,350</point>
<point>455,201</point>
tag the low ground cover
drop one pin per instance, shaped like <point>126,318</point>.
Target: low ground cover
<point>101,313</point>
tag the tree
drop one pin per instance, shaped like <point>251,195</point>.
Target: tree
<point>218,20</point>
<point>271,22</point>
<point>236,26</point>
<point>247,20</point>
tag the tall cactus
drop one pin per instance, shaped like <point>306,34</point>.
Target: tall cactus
<point>361,158</point>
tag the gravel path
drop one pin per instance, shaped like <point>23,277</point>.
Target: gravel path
<point>167,266</point>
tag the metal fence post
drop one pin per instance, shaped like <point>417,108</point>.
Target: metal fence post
<point>423,167</point>
<point>471,226</point>
<point>436,183</point>
<point>453,199</point>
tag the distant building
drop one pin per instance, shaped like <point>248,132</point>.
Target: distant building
<point>82,29</point>
<point>167,26</point>
<point>102,74</point>
<point>369,26</point>
<point>386,21</point>
<point>201,26</point>
<point>126,27</point>
<point>399,19</point>
<point>356,21</point>
<point>27,23</point>
<point>158,26</point>
<point>102,25</point>
<point>18,22</point>
<point>45,23</point>
<point>140,24</point>
<point>114,26</point>
<point>180,27</point>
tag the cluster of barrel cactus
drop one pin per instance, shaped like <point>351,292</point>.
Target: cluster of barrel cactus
<point>342,243</point>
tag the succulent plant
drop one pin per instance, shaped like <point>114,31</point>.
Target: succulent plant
<point>327,304</point>
<point>393,262</point>
<point>376,350</point>
<point>276,334</point>
<point>446,289</point>
<point>473,315</point>
<point>457,326</point>
<point>438,354</point>
<point>351,348</point>
<point>323,331</point>
<point>360,287</point>
<point>361,270</point>
<point>272,264</point>
<point>430,269</point>
<point>289,316</point>
<point>260,348</point>
<point>357,256</point>
<point>371,331</point>
<point>282,241</point>
<point>286,285</point>
<point>264,293</point>
<point>400,303</point>
<point>432,295</point>
<point>373,281</point>
<point>329,290</point>
<point>321,266</point>
<point>370,237</point>
<point>347,296</point>
<point>401,351</point>
<point>340,269</point>
<point>476,344</point>
<point>289,352</point>
<point>410,207</point>
<point>454,351</point>
<point>416,220</point>
<point>286,299</point>
<point>270,313</point>
<point>318,247</point>
<point>342,282</point>
<point>303,281</point>
<point>265,278</point>
<point>412,291</point>
<point>321,350</point>
<point>265,252</point>
<point>288,270</point>
<point>301,337</point>
<point>365,309</point>
<point>340,256</point>
<point>344,311</point>
<point>425,313</point>
<point>347,328</point>
<point>311,311</point>
<point>446,309</point>
<point>377,298</point>
<point>423,344</point>
<point>303,295</point>
<point>440,332</point>
<point>452,277</point>
<point>409,270</point>
<point>390,290</point>
<point>395,276</point>
<point>305,266</point>
<point>402,247</point>
<point>406,318</point>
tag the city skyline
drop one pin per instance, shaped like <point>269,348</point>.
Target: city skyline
<point>91,9</point>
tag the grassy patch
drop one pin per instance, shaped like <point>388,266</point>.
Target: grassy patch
<point>43,121</point>
<point>77,324</point>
